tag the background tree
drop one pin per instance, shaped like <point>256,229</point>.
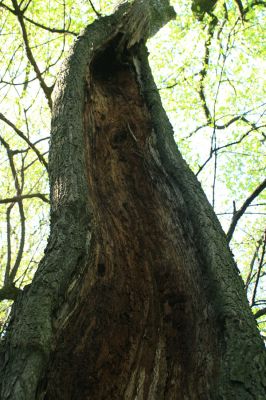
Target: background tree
<point>203,78</point>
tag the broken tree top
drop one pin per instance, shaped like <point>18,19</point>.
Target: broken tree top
<point>140,19</point>
<point>143,18</point>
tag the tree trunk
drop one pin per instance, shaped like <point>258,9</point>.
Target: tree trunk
<point>138,296</point>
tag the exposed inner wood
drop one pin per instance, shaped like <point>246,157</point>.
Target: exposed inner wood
<point>138,330</point>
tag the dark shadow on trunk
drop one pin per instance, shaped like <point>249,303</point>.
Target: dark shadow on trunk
<point>141,326</point>
<point>137,296</point>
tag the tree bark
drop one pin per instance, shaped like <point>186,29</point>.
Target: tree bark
<point>138,296</point>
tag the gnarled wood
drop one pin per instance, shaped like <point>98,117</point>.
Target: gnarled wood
<point>140,326</point>
<point>137,296</point>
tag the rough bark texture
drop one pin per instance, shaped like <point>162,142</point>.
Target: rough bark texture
<point>137,296</point>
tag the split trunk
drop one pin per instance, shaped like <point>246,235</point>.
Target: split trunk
<point>138,296</point>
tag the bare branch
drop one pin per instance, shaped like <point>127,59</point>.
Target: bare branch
<point>260,313</point>
<point>241,117</point>
<point>47,28</point>
<point>242,210</point>
<point>217,149</point>
<point>252,263</point>
<point>46,89</point>
<point>203,72</point>
<point>252,5</point>
<point>8,234</point>
<point>23,197</point>
<point>94,9</point>
<point>18,188</point>
<point>3,5</point>
<point>26,6</point>
<point>258,274</point>
<point>9,292</point>
<point>24,137</point>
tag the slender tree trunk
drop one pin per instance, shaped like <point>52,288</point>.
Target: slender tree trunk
<point>138,296</point>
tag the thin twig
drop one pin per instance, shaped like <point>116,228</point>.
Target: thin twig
<point>24,137</point>
<point>94,9</point>
<point>8,236</point>
<point>52,30</point>
<point>251,267</point>
<point>46,89</point>
<point>258,273</point>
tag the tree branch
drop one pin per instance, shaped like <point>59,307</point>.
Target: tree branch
<point>260,313</point>
<point>242,210</point>
<point>217,149</point>
<point>46,89</point>
<point>94,9</point>
<point>203,72</point>
<point>10,277</point>
<point>253,4</point>
<point>24,137</point>
<point>236,118</point>
<point>23,197</point>
<point>258,273</point>
<point>252,263</point>
<point>9,292</point>
<point>8,234</point>
<point>52,30</point>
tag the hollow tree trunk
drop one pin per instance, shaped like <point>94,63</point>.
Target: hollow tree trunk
<point>137,296</point>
